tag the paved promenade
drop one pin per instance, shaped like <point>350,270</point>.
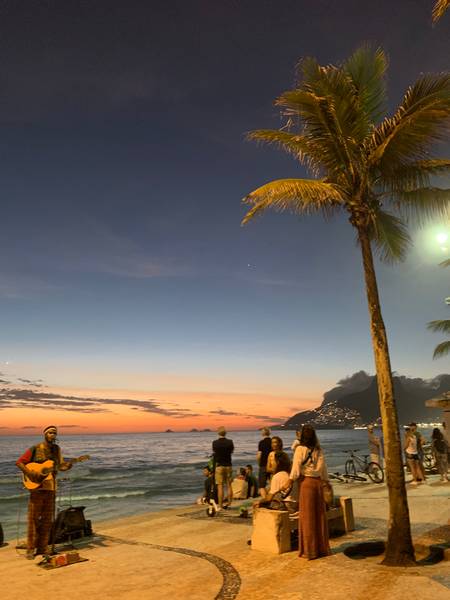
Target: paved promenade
<point>183,554</point>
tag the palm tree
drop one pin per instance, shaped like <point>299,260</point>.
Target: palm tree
<point>362,165</point>
<point>443,326</point>
<point>439,9</point>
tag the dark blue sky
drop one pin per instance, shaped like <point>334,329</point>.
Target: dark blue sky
<point>123,165</point>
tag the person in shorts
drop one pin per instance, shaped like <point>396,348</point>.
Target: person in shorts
<point>264,449</point>
<point>223,448</point>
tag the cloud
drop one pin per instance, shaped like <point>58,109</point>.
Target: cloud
<point>38,383</point>
<point>63,90</point>
<point>30,427</point>
<point>228,413</point>
<point>91,248</point>
<point>15,285</point>
<point>30,399</point>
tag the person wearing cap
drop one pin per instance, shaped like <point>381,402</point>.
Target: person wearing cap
<point>223,448</point>
<point>42,499</point>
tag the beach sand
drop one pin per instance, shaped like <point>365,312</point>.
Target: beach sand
<point>183,554</point>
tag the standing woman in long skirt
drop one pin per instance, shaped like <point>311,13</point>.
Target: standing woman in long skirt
<point>309,468</point>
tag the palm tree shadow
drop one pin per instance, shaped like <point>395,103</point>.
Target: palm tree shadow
<point>84,543</point>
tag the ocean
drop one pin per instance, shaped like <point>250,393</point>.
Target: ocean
<point>130,474</point>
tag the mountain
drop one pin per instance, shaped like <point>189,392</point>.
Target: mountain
<point>354,401</point>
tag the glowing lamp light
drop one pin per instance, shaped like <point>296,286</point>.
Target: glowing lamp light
<point>442,238</point>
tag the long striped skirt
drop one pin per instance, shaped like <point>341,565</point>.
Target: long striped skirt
<point>312,524</point>
<point>40,519</point>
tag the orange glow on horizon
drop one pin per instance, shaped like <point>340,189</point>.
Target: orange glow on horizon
<point>253,410</point>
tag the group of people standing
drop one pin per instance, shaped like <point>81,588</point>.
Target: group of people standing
<point>414,448</point>
<point>414,443</point>
<point>300,481</point>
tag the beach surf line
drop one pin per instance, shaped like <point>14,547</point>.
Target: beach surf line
<point>231,579</point>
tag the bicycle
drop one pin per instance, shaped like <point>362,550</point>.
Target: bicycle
<point>337,476</point>
<point>356,464</point>
<point>429,461</point>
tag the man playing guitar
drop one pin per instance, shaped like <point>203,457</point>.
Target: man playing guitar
<point>42,499</point>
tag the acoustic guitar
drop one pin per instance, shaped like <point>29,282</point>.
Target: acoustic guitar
<point>44,471</point>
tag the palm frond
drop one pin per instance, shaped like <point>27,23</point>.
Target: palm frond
<point>367,70</point>
<point>390,236</point>
<point>422,119</point>
<point>445,263</point>
<point>294,144</point>
<point>321,125</point>
<point>441,349</point>
<point>302,196</point>
<point>328,105</point>
<point>413,175</point>
<point>423,204</point>
<point>439,9</point>
<point>439,326</point>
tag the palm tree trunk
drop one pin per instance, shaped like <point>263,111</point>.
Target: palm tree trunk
<point>399,548</point>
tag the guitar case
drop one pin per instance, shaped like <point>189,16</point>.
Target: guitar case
<point>70,524</point>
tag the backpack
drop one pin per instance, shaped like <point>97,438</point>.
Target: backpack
<point>211,464</point>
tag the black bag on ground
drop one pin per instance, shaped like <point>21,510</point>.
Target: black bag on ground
<point>70,524</point>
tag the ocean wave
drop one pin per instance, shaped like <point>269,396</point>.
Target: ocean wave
<point>102,496</point>
<point>8,480</point>
<point>95,477</point>
<point>122,472</point>
<point>13,497</point>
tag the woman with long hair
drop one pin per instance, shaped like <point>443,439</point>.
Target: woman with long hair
<point>440,450</point>
<point>309,468</point>
<point>274,498</point>
<point>277,446</point>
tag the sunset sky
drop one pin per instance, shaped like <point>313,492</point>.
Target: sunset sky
<point>130,297</point>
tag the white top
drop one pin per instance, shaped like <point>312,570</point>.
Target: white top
<point>411,444</point>
<point>240,488</point>
<point>279,481</point>
<point>295,443</point>
<point>315,467</point>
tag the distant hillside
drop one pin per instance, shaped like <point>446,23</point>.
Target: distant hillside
<point>354,401</point>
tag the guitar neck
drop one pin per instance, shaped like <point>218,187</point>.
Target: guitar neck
<point>72,461</point>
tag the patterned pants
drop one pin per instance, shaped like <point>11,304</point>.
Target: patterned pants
<point>40,518</point>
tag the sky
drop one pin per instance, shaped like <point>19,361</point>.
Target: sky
<point>131,299</point>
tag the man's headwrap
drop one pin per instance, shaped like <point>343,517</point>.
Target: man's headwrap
<point>50,429</point>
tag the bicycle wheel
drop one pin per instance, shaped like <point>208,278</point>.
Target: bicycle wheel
<point>350,468</point>
<point>375,472</point>
<point>337,476</point>
<point>429,462</point>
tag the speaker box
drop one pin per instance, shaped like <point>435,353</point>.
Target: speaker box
<point>70,524</point>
